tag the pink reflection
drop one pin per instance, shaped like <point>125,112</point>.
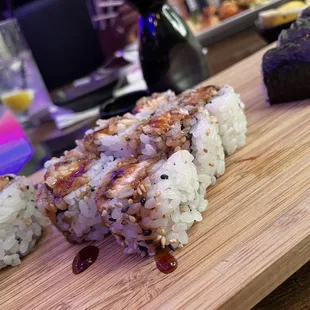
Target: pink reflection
<point>15,149</point>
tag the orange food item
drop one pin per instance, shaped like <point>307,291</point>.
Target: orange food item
<point>228,9</point>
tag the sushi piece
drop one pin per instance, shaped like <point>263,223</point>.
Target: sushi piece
<point>20,221</point>
<point>301,23</point>
<point>67,195</point>
<point>152,203</point>
<point>224,104</point>
<point>190,128</point>
<point>293,35</point>
<point>228,108</point>
<point>147,105</point>
<point>305,13</point>
<point>286,71</point>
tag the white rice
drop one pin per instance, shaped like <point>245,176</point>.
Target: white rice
<point>207,150</point>
<point>20,221</point>
<point>229,111</point>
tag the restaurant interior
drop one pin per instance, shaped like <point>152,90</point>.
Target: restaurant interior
<point>66,63</point>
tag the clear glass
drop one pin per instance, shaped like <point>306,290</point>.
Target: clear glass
<point>22,89</point>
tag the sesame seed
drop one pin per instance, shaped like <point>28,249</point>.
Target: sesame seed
<point>163,242</point>
<point>104,213</point>
<point>158,238</point>
<point>119,204</point>
<point>172,227</point>
<point>205,150</point>
<point>130,201</point>
<point>157,194</point>
<point>139,191</point>
<point>132,219</point>
<point>125,209</point>
<point>86,199</point>
<point>143,188</point>
<point>211,164</point>
<point>208,131</point>
<point>173,240</point>
<point>161,231</point>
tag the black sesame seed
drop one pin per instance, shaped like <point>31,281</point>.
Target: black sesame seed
<point>19,240</point>
<point>189,136</point>
<point>27,186</point>
<point>158,247</point>
<point>143,201</point>
<point>148,241</point>
<point>92,189</point>
<point>112,219</point>
<point>171,247</point>
<point>164,177</point>
<point>142,248</point>
<point>147,232</point>
<point>124,209</point>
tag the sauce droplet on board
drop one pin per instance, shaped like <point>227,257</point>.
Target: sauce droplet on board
<point>85,258</point>
<point>165,262</point>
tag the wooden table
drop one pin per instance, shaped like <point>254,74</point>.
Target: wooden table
<point>255,234</point>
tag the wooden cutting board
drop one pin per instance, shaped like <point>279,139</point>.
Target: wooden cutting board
<point>255,233</point>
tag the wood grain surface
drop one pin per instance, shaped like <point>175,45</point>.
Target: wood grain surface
<point>293,294</point>
<point>255,233</point>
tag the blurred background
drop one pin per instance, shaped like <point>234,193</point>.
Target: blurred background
<point>64,63</point>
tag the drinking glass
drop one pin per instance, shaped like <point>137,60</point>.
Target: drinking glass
<point>22,89</point>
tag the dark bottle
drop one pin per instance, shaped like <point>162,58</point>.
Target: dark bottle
<point>170,55</point>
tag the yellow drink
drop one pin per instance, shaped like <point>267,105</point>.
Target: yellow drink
<point>18,100</point>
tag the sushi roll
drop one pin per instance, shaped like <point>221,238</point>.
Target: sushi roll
<point>144,176</point>
<point>67,195</point>
<point>151,203</point>
<point>20,221</point>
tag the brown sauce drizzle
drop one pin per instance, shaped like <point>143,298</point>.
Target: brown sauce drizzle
<point>85,258</point>
<point>165,261</point>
